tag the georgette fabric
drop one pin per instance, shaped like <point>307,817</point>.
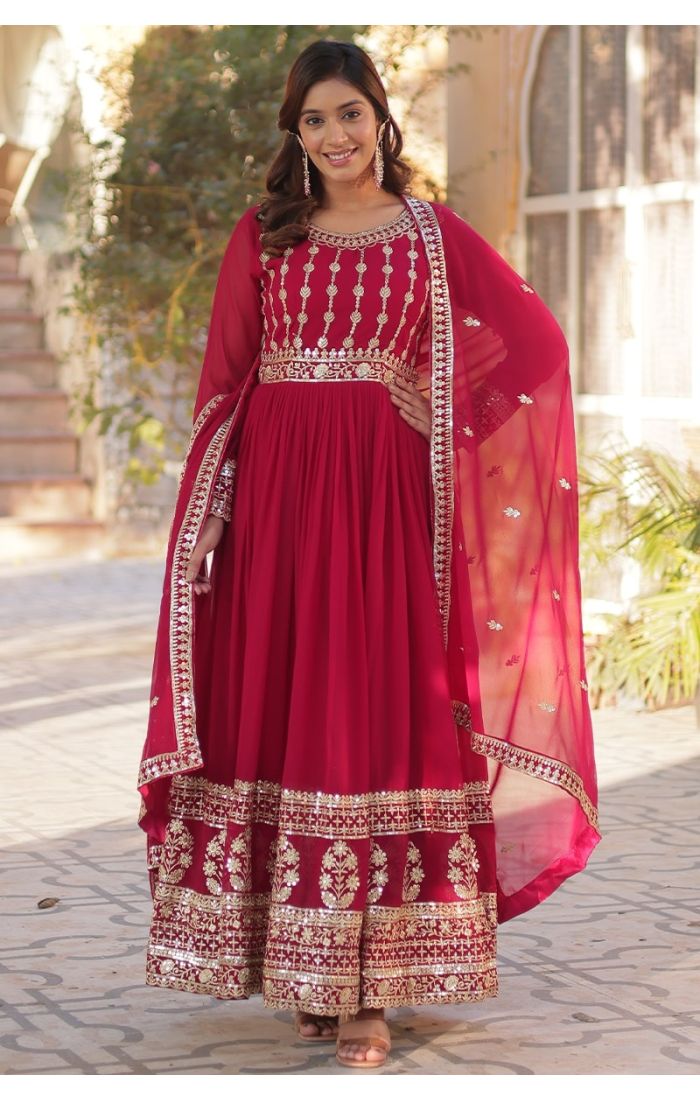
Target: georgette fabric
<point>370,742</point>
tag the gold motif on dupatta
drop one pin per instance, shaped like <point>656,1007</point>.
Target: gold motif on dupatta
<point>463,864</point>
<point>176,854</point>
<point>338,880</point>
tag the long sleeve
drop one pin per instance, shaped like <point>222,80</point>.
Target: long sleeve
<point>236,326</point>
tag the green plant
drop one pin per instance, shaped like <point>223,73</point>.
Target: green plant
<point>194,114</point>
<point>641,503</point>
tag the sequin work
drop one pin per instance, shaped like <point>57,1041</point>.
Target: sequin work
<point>336,847</point>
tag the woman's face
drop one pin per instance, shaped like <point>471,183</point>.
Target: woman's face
<point>335,117</point>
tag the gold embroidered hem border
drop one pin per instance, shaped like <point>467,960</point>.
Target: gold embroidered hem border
<point>232,947</point>
<point>315,813</point>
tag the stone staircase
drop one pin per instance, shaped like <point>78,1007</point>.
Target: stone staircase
<point>46,505</point>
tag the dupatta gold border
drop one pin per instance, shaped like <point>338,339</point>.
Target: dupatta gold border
<point>188,756</point>
<point>442,357</point>
<point>534,764</point>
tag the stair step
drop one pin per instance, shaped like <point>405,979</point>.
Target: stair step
<point>45,496</point>
<point>28,540</point>
<point>27,410</point>
<point>9,258</point>
<point>38,452</point>
<point>15,291</point>
<point>27,368</point>
<point>20,328</point>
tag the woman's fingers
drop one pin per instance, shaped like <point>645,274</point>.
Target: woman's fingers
<point>412,406</point>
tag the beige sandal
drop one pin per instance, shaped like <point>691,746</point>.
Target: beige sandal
<point>372,1030</point>
<point>315,1018</point>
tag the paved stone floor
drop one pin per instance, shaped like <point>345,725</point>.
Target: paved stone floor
<point>600,979</point>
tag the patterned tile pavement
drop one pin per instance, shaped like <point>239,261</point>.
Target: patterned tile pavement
<point>602,978</point>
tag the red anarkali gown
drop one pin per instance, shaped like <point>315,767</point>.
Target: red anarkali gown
<point>336,849</point>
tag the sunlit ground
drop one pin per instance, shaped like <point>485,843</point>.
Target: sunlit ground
<point>601,978</point>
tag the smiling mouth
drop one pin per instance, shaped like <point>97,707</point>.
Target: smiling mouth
<point>341,159</point>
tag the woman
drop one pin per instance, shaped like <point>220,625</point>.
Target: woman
<point>369,736</point>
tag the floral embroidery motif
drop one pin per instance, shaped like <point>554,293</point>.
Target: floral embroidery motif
<point>176,855</point>
<point>494,471</point>
<point>564,483</point>
<point>555,594</point>
<point>526,288</point>
<point>238,863</point>
<point>339,880</point>
<point>413,873</point>
<point>469,321</point>
<point>514,659</point>
<point>214,855</point>
<point>283,867</point>
<point>467,430</point>
<point>493,624</point>
<point>512,513</point>
<point>584,685</point>
<point>463,865</point>
<point>379,874</point>
<point>154,700</point>
<point>524,399</point>
<point>548,707</point>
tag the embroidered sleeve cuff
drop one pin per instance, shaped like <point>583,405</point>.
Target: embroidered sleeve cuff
<point>222,496</point>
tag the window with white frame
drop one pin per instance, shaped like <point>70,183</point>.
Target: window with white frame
<point>610,209</point>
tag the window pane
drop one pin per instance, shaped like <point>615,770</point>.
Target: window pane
<point>669,103</point>
<point>547,260</point>
<point>668,305</point>
<point>602,269</point>
<point>549,117</point>
<point>603,96</point>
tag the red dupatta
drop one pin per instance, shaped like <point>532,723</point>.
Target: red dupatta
<point>503,467</point>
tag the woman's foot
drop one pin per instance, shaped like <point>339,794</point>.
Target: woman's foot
<point>364,1044</point>
<point>315,1028</point>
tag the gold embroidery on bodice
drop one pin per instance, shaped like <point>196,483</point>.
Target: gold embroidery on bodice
<point>333,323</point>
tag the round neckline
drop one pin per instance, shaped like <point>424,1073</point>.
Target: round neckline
<point>360,232</point>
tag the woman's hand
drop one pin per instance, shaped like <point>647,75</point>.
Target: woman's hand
<point>414,408</point>
<point>212,531</point>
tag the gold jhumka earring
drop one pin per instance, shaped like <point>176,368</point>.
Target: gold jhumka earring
<point>379,156</point>
<point>307,177</point>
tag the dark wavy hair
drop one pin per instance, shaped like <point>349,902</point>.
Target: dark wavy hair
<point>285,210</point>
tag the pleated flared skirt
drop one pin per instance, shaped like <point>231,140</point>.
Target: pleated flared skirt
<point>336,850</point>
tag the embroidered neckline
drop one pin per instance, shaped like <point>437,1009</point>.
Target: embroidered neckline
<point>360,237</point>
